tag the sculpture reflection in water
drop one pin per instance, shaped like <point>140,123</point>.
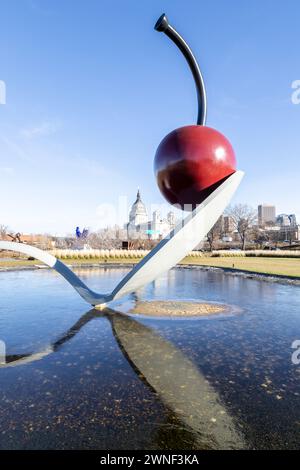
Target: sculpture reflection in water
<point>176,380</point>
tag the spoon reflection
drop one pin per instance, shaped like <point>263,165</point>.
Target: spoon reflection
<point>167,371</point>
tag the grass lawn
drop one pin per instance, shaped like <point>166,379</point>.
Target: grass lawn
<point>15,263</point>
<point>282,266</point>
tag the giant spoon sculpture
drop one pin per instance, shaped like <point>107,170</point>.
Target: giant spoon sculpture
<point>195,167</point>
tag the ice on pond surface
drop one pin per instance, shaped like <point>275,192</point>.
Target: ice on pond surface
<point>88,379</point>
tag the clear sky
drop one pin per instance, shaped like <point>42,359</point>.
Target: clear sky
<point>91,89</point>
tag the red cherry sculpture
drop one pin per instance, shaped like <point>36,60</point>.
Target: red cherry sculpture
<point>192,161</point>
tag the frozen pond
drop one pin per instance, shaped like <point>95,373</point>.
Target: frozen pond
<point>76,378</point>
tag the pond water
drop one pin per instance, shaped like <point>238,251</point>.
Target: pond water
<point>75,378</point>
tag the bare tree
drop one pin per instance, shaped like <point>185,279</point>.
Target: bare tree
<point>243,218</point>
<point>3,231</point>
<point>215,233</point>
<point>260,237</point>
<point>106,238</point>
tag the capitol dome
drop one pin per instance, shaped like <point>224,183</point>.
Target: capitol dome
<point>138,214</point>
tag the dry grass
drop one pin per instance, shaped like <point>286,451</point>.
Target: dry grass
<point>15,263</point>
<point>279,266</point>
<point>265,265</point>
<point>256,253</point>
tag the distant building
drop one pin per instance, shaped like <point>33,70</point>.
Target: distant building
<point>266,214</point>
<point>284,233</point>
<point>138,214</point>
<point>139,227</point>
<point>293,220</point>
<point>228,225</point>
<point>285,220</point>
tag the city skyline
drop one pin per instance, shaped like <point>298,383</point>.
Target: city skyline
<point>81,122</point>
<point>121,215</point>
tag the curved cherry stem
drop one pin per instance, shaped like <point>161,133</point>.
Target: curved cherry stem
<point>163,25</point>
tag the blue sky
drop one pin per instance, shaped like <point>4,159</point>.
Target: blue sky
<point>92,89</point>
